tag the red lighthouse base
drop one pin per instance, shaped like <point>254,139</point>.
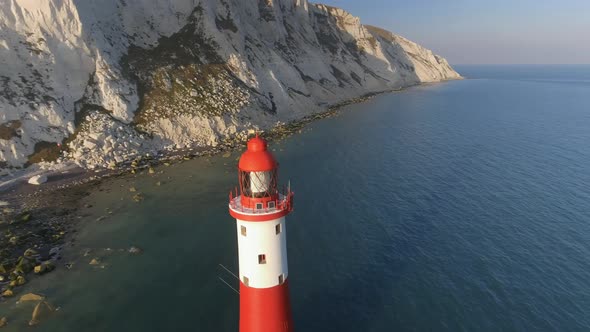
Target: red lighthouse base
<point>265,309</point>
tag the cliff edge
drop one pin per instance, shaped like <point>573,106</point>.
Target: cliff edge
<point>99,82</point>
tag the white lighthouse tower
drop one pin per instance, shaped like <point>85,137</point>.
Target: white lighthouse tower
<point>260,210</point>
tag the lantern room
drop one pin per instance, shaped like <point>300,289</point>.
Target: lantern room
<point>258,176</point>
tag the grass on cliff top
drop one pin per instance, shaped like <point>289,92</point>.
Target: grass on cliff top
<point>183,90</point>
<point>8,129</point>
<point>44,151</point>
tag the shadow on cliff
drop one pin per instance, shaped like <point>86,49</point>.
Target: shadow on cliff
<point>339,45</point>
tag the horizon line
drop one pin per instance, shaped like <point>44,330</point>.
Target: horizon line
<point>520,64</point>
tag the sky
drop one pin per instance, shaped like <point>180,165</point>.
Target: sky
<point>486,32</point>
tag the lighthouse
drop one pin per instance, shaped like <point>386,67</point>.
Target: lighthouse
<point>260,209</point>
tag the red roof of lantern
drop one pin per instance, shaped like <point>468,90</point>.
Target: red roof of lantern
<point>257,158</point>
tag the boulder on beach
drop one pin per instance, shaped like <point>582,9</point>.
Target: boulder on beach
<point>41,311</point>
<point>38,179</point>
<point>22,217</point>
<point>25,217</point>
<point>31,297</point>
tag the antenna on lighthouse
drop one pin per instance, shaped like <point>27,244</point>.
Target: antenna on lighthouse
<point>230,274</point>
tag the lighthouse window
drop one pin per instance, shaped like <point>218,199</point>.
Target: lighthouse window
<point>278,229</point>
<point>258,184</point>
<point>262,259</point>
<point>245,280</point>
<point>259,206</point>
<point>243,230</point>
<point>271,205</point>
<point>281,279</point>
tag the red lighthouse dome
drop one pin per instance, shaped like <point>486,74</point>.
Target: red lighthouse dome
<point>257,157</point>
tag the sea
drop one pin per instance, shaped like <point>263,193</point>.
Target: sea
<point>458,206</point>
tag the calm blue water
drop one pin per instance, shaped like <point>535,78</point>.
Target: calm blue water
<point>462,206</point>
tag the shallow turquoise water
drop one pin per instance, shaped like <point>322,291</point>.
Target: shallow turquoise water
<point>461,206</point>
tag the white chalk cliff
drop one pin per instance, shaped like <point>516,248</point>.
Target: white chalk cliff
<point>111,79</point>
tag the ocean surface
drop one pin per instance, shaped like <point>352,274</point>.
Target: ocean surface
<point>460,206</point>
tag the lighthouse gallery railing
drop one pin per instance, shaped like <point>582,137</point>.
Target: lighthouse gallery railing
<point>283,203</point>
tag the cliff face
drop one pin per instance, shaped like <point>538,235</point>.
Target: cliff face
<point>111,79</point>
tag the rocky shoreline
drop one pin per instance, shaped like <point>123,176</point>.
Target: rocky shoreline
<point>37,223</point>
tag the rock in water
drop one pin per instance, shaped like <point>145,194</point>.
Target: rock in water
<point>20,280</point>
<point>31,297</point>
<point>38,179</point>
<point>8,293</point>
<point>151,170</point>
<point>138,197</point>
<point>135,250</point>
<point>41,311</point>
<point>55,252</point>
<point>29,253</point>
<point>94,261</point>
<point>24,265</point>
<point>44,267</point>
<point>39,269</point>
<point>3,321</point>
